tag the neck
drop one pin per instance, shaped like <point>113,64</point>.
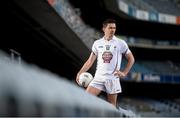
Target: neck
<point>108,38</point>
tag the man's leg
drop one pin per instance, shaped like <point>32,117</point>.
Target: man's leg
<point>93,90</point>
<point>112,98</point>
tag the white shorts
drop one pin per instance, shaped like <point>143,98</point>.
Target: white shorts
<point>107,83</point>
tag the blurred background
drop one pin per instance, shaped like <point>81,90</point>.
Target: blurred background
<point>57,35</point>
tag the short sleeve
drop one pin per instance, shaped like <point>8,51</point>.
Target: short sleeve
<point>124,48</point>
<point>94,49</point>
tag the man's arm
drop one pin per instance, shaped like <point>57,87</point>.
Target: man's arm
<point>87,65</point>
<point>131,60</point>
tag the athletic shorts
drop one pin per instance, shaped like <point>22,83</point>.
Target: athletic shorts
<point>107,83</point>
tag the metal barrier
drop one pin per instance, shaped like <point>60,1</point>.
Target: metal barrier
<point>26,90</point>
<point>15,56</point>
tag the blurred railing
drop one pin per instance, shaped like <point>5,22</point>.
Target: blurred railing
<point>26,90</point>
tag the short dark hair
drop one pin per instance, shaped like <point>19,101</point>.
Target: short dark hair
<point>107,21</point>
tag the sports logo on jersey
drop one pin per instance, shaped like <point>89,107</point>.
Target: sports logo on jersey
<point>108,47</point>
<point>100,46</point>
<point>107,56</point>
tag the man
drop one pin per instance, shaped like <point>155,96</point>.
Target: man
<point>108,51</point>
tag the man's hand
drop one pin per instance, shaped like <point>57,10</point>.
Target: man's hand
<point>120,74</point>
<point>77,79</point>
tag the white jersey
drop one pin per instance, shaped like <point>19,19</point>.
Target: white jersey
<point>109,54</point>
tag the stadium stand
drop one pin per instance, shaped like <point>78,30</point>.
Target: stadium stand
<point>74,21</point>
<point>139,4</point>
<point>147,107</point>
<point>161,6</point>
<point>164,6</point>
<point>139,67</point>
<point>163,11</point>
<point>166,67</point>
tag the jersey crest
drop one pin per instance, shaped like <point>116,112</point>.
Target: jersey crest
<point>107,56</point>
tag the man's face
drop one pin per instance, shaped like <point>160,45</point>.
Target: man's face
<point>110,29</point>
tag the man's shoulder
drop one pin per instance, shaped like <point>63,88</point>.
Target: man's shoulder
<point>120,40</point>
